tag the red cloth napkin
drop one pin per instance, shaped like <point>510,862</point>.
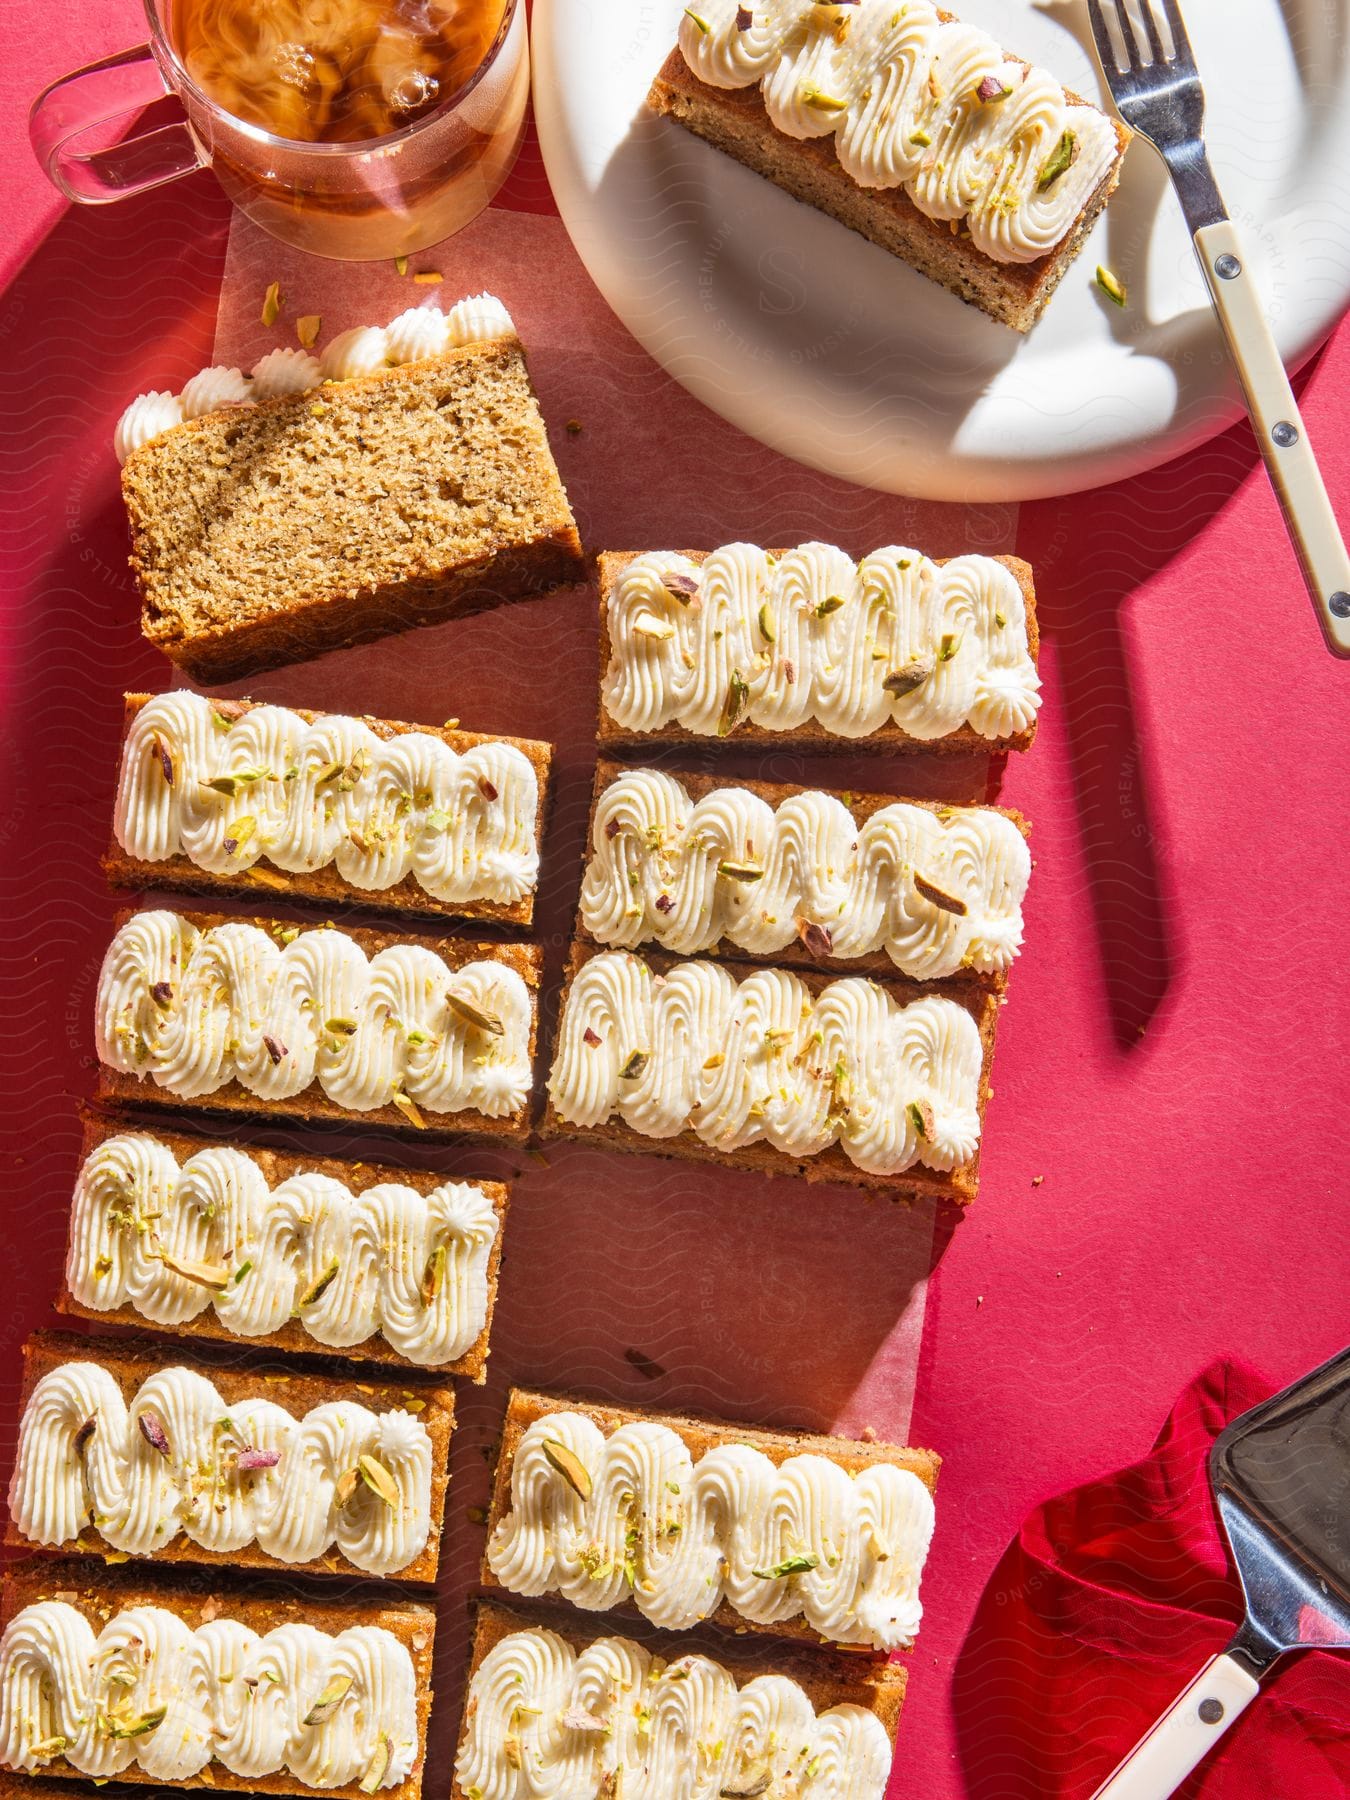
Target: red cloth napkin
<point>1107,1602</point>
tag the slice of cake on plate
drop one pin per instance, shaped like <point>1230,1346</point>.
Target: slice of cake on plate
<point>783,1532</point>
<point>228,797</point>
<point>171,1678</point>
<point>125,1451</point>
<point>251,1016</point>
<point>784,1072</point>
<point>568,1701</point>
<point>810,649</point>
<point>307,1252</point>
<point>701,865</point>
<point>400,478</point>
<point>976,168</point>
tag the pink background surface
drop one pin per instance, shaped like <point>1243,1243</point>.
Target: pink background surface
<point>1173,1058</point>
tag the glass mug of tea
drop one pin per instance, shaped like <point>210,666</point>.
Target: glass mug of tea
<point>351,128</point>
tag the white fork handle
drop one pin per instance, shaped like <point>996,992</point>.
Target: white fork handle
<point>1196,1719</point>
<point>1279,430</point>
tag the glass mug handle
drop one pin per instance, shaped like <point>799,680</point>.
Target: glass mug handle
<point>83,105</point>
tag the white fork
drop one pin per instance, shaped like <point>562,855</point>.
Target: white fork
<point>1153,80</point>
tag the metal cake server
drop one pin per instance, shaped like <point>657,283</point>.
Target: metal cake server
<point>1147,61</point>
<point>1281,1480</point>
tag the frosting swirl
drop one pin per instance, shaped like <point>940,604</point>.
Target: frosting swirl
<point>938,891</point>
<point>548,1722</point>
<point>253,1253</point>
<point>678,1537</point>
<point>228,792</point>
<point>86,1458</point>
<point>364,350</point>
<point>195,1010</point>
<point>919,102</point>
<point>148,1689</point>
<point>764,1060</point>
<point>813,636</point>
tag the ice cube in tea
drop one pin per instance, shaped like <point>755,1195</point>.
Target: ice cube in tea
<point>333,71</point>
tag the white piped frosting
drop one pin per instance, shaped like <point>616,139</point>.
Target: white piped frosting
<point>917,102</point>
<point>330,793</point>
<point>763,1060</point>
<point>84,1459</point>
<point>547,1722</point>
<point>253,1252</point>
<point>195,1010</point>
<point>150,1690</point>
<point>813,637</point>
<point>364,350</point>
<point>687,874</point>
<point>147,417</point>
<point>803,1538</point>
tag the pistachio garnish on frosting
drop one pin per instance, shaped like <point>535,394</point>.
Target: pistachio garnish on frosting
<point>679,1535</point>
<point>147,1689</point>
<point>173,1241</point>
<point>461,826</point>
<point>802,1070</point>
<point>1019,161</point>
<point>223,1479</point>
<point>938,891</point>
<point>234,988</point>
<point>577,1719</point>
<point>894,641</point>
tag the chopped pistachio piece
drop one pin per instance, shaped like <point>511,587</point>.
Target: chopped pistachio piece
<point>636,1063</point>
<point>400,265</point>
<point>408,1107</point>
<point>935,896</point>
<point>1057,162</point>
<point>474,1015</point>
<point>905,680</point>
<point>921,1118</point>
<point>790,1565</point>
<point>378,1766</point>
<point>317,1289</point>
<point>433,1276</point>
<point>570,1466</point>
<point>273,301</point>
<point>205,1274</point>
<point>138,1725</point>
<point>734,705</point>
<point>1111,285</point>
<point>332,1692</point>
<point>741,871</point>
<point>948,645</point>
<point>766,630</point>
<point>378,1479</point>
<point>830,604</point>
<point>307,330</point>
<point>697,19</point>
<point>660,630</point>
<point>152,1430</point>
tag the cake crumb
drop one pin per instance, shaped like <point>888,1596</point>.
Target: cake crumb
<point>868,1434</point>
<point>1036,1180</point>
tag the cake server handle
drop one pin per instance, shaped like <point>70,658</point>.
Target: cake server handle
<point>1195,1721</point>
<point>1280,431</point>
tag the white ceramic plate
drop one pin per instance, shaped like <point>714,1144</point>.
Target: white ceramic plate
<point>830,350</point>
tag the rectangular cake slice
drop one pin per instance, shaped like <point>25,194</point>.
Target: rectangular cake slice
<point>243,1015</point>
<point>789,1533</point>
<point>812,650</point>
<point>863,884</point>
<point>228,797</point>
<point>915,130</point>
<point>554,1694</point>
<point>382,1264</point>
<point>176,1678</point>
<point>401,478</point>
<point>135,1451</point>
<point>782,1072</point>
